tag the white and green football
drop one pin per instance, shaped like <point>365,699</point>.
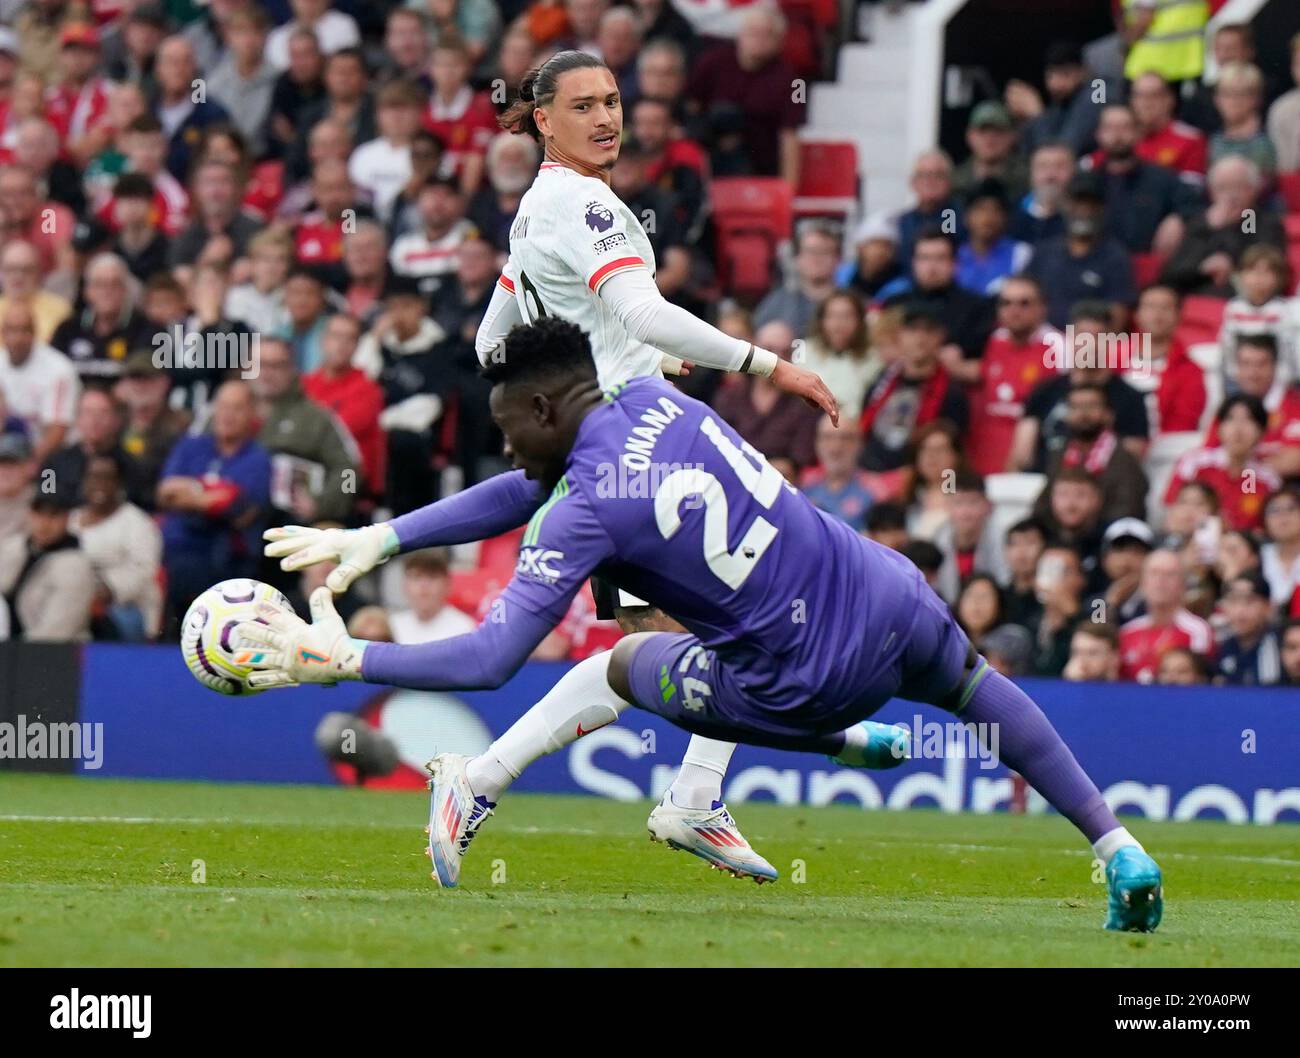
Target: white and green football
<point>208,629</point>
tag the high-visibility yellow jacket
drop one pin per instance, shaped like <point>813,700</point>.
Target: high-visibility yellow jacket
<point>1174,45</point>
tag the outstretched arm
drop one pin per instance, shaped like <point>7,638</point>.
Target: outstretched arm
<point>491,507</point>
<point>568,542</point>
<point>634,298</point>
<point>480,660</point>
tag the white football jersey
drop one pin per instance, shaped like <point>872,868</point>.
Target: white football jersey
<point>571,234</point>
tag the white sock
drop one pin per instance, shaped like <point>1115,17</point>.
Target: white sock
<point>1112,841</point>
<point>699,782</point>
<point>580,702</point>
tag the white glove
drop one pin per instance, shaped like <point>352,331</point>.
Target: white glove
<point>284,650</point>
<point>357,551</point>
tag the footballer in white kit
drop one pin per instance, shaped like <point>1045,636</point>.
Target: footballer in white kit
<point>571,236</point>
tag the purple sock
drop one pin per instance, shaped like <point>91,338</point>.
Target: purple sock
<point>1030,746</point>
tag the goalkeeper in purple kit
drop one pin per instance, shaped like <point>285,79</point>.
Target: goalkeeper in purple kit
<point>798,629</point>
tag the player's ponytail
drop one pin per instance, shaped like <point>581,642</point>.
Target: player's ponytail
<point>537,89</point>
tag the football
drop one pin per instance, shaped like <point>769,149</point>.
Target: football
<point>209,625</point>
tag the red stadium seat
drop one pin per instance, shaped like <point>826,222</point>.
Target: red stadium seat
<point>499,555</point>
<point>828,178</point>
<point>1146,269</point>
<point>1292,222</point>
<point>1293,257</point>
<point>470,587</point>
<point>1289,186</point>
<point>752,216</point>
<point>1201,319</point>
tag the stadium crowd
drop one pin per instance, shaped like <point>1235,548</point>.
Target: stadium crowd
<point>1103,277</point>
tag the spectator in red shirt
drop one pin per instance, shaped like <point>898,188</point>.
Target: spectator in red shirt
<point>318,237</point>
<point>1165,141</point>
<point>351,395</point>
<point>1233,469</point>
<point>463,120</point>
<point>77,105</point>
<point>1173,382</point>
<point>752,76</point>
<point>1015,360</point>
<point>27,216</point>
<point>1166,625</point>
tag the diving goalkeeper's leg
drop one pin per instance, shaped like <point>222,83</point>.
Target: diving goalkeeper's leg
<point>675,676</point>
<point>942,668</point>
<point>466,790</point>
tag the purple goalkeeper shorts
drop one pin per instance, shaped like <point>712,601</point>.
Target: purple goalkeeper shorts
<point>674,675</point>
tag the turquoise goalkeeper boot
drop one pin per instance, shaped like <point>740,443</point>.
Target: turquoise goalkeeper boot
<point>1136,903</point>
<point>886,746</point>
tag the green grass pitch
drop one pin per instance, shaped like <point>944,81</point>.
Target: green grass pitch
<point>99,872</point>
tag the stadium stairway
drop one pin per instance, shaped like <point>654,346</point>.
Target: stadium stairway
<point>867,105</point>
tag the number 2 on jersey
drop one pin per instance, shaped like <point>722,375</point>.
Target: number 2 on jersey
<point>763,482</point>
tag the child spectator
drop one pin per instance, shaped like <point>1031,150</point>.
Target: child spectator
<point>979,606</point>
<point>1261,308</point>
<point>357,400</point>
<point>1239,99</point>
<point>426,583</point>
<point>1094,654</point>
<point>1021,550</point>
<point>1180,667</point>
<point>1251,655</point>
<point>1234,468</point>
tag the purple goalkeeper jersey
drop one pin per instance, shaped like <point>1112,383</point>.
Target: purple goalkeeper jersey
<point>667,501</point>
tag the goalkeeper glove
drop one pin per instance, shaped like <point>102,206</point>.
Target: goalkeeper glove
<point>357,551</point>
<point>283,650</point>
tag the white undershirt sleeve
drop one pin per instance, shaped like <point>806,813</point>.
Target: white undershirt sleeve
<point>502,314</point>
<point>633,297</point>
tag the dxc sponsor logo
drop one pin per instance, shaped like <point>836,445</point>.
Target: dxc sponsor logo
<point>538,563</point>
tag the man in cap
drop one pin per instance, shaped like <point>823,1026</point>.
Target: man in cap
<point>1085,263</point>
<point>45,578</point>
<point>1124,546</point>
<point>991,137</point>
